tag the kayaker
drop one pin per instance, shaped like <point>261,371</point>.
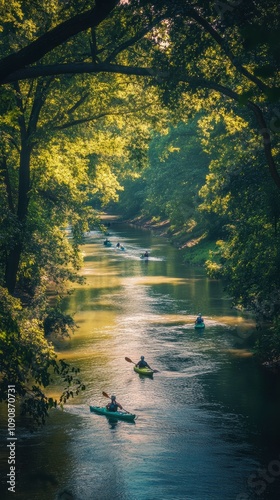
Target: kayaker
<point>142,363</point>
<point>146,254</point>
<point>118,245</point>
<point>199,319</point>
<point>113,405</point>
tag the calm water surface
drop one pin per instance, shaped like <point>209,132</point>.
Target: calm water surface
<point>208,423</point>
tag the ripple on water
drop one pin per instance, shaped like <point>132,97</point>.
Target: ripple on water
<point>189,442</point>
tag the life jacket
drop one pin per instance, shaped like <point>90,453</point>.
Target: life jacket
<point>113,407</point>
<point>142,364</point>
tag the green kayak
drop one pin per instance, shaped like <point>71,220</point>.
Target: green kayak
<point>144,371</point>
<point>199,326</point>
<point>113,414</point>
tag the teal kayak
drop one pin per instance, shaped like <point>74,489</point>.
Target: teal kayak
<point>144,371</point>
<point>113,414</point>
<point>199,326</point>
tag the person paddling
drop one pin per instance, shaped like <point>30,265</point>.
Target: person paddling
<point>142,363</point>
<point>199,319</point>
<point>113,405</point>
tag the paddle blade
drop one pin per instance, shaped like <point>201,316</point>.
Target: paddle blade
<point>106,395</point>
<point>129,360</point>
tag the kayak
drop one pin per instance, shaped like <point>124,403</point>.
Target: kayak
<point>113,414</point>
<point>107,243</point>
<point>144,257</point>
<point>144,371</point>
<point>199,326</point>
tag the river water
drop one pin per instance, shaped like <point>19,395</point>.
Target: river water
<point>208,422</point>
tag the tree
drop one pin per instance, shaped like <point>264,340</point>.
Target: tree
<point>28,362</point>
<point>240,189</point>
<point>53,38</point>
<point>196,44</point>
<point>52,166</point>
<point>55,157</point>
<point>52,133</point>
<point>177,171</point>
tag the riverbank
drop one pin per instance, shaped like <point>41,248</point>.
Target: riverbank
<point>195,247</point>
<point>195,251</point>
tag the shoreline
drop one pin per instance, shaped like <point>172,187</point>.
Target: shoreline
<point>195,249</point>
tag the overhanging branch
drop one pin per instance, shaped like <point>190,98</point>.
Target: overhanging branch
<point>225,47</point>
<point>158,76</point>
<point>78,68</point>
<point>55,37</point>
<point>89,119</point>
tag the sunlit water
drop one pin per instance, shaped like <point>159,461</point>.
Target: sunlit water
<point>208,422</point>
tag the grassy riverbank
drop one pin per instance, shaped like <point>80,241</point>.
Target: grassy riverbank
<point>195,247</point>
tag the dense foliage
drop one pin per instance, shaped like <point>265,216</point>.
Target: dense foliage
<point>28,361</point>
<point>209,179</point>
<point>239,188</point>
<point>174,101</point>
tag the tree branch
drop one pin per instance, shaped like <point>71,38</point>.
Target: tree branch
<point>55,37</point>
<point>76,68</point>
<point>262,126</point>
<point>264,131</point>
<point>224,46</point>
<point>97,117</point>
<point>38,102</point>
<point>134,39</point>
<point>77,104</point>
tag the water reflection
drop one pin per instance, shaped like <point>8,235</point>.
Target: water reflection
<point>205,422</point>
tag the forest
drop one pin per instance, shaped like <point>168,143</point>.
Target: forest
<point>166,110</point>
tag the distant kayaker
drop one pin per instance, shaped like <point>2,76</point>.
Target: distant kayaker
<point>142,363</point>
<point>118,245</point>
<point>199,319</point>
<point>146,254</point>
<point>113,405</point>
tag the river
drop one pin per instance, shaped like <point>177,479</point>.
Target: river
<point>208,422</point>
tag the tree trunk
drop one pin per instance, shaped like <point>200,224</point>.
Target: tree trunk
<point>13,258</point>
<point>12,265</point>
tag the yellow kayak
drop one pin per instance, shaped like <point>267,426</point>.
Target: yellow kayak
<point>144,371</point>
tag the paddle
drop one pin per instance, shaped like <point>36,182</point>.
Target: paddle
<point>107,396</point>
<point>130,361</point>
